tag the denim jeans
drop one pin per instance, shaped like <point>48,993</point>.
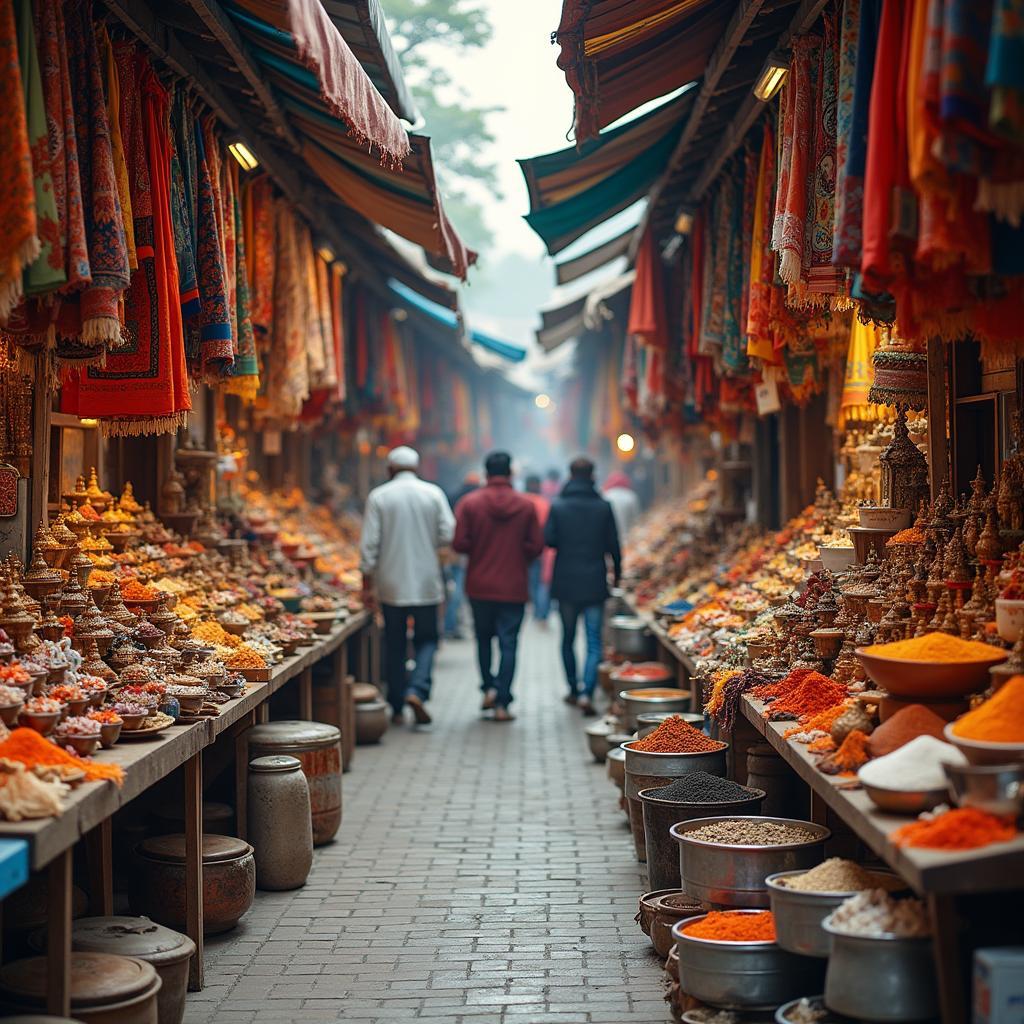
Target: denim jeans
<point>455,597</point>
<point>593,616</point>
<point>540,592</point>
<point>497,620</point>
<point>396,651</point>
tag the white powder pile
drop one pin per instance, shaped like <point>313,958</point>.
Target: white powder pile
<point>916,765</point>
<point>876,913</point>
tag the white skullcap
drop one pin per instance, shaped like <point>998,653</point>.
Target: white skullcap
<point>403,457</point>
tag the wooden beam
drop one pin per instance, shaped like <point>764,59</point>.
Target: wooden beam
<point>224,31</point>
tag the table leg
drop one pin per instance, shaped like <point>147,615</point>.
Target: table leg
<point>263,712</point>
<point>306,695</point>
<point>242,775</point>
<point>375,654</point>
<point>194,866</point>
<point>99,855</point>
<point>58,925</point>
<point>948,965</point>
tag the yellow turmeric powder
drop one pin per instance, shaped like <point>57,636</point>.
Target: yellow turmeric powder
<point>1000,719</point>
<point>936,647</point>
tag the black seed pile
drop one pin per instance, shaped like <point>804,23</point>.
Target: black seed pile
<point>702,788</point>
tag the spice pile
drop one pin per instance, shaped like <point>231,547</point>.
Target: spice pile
<point>734,926</point>
<point>676,736</point>
<point>655,693</point>
<point>962,828</point>
<point>802,692</point>
<point>875,913</point>
<point>703,788</point>
<point>936,647</point>
<point>738,832</point>
<point>27,747</point>
<point>915,766</point>
<point>1000,719</point>
<point>839,875</point>
<point>907,724</point>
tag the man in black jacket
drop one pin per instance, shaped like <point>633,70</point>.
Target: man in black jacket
<point>581,528</point>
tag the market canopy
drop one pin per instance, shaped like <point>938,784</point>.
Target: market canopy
<point>580,266</point>
<point>573,190</point>
<point>404,199</point>
<point>560,324</point>
<point>617,56</point>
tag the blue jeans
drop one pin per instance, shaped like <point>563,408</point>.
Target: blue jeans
<point>497,620</point>
<point>540,592</point>
<point>396,651</point>
<point>454,605</point>
<point>593,616</point>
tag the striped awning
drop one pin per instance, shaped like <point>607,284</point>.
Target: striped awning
<point>592,259</point>
<point>403,198</point>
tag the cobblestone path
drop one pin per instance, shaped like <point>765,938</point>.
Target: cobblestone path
<point>483,873</point>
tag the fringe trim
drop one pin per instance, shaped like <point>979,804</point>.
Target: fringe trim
<point>101,330</point>
<point>13,289</point>
<point>246,387</point>
<point>790,266</point>
<point>1004,200</point>
<point>130,426</point>
<point>100,360</point>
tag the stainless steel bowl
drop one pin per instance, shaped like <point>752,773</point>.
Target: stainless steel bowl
<point>880,978</point>
<point>643,765</point>
<point>816,1002</point>
<point>995,788</point>
<point>598,739</point>
<point>631,636</point>
<point>650,720</point>
<point>742,975</point>
<point>616,762</point>
<point>732,875</point>
<point>909,801</point>
<point>633,706</point>
<point>798,915</point>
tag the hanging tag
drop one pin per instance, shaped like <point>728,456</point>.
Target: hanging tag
<point>271,442</point>
<point>767,396</point>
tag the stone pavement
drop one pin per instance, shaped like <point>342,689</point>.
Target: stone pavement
<point>483,873</point>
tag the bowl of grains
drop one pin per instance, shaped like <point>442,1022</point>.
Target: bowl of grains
<point>725,860</point>
<point>801,900</point>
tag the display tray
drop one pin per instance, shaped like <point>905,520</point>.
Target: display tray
<point>254,675</point>
<point>159,721</point>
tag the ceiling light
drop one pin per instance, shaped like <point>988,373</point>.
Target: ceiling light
<point>684,221</point>
<point>772,76</point>
<point>244,155</point>
<point>625,443</point>
<point>542,401</point>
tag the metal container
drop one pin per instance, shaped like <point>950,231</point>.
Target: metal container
<point>798,915</point>
<point>994,788</point>
<point>881,978</point>
<point>280,825</point>
<point>742,975</point>
<point>616,762</point>
<point>624,677</point>
<point>660,815</point>
<point>631,637</point>
<point>318,747</point>
<point>597,738</point>
<point>647,722</point>
<point>634,706</point>
<point>732,875</point>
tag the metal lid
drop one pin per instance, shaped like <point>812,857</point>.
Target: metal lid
<point>275,763</point>
<point>96,979</point>
<point>291,735</point>
<point>171,849</point>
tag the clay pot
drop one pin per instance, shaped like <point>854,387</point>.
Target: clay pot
<point>372,720</point>
<point>157,887</point>
<point>280,823</point>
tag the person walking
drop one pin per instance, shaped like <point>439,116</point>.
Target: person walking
<point>457,568</point>
<point>540,568</point>
<point>581,528</point>
<point>498,529</point>
<point>407,522</point>
<point>619,493</point>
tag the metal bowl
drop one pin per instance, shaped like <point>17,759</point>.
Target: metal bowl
<point>883,978</point>
<point>642,765</point>
<point>983,752</point>
<point>741,975</point>
<point>798,915</point>
<point>817,1003</point>
<point>598,734</point>
<point>933,680</point>
<point>909,801</point>
<point>732,875</point>
<point>994,788</point>
<point>649,721</point>
<point>679,701</point>
<point>616,762</point>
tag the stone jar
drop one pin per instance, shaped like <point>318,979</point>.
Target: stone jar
<point>280,823</point>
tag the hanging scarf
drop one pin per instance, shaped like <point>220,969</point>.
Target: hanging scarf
<point>849,29</point>
<point>260,252</point>
<point>717,271</point>
<point>848,237</point>
<point>143,389</point>
<point>762,260</point>
<point>104,225</point>
<point>288,364</point>
<point>734,356</point>
<point>858,375</point>
<point>17,191</point>
<point>183,127</point>
<point>116,142</point>
<point>243,377</point>
<point>46,272</point>
<point>191,305</point>
<point>328,378</point>
<point>229,186</point>
<point>1004,74</point>
<point>791,208</point>
<point>316,342</point>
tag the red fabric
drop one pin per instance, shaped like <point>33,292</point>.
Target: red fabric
<point>498,528</point>
<point>344,85</point>
<point>647,300</point>
<point>617,479</point>
<point>542,506</point>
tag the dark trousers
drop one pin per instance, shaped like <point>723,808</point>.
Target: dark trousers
<point>497,620</point>
<point>593,617</point>
<point>396,651</point>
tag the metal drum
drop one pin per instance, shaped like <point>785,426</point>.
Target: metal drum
<point>318,748</point>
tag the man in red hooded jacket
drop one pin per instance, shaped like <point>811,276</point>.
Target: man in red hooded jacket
<point>498,529</point>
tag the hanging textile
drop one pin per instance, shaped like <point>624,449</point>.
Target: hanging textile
<point>104,225</point>
<point>328,376</point>
<point>116,142</point>
<point>316,343</point>
<point>1004,74</point>
<point>17,192</point>
<point>46,271</point>
<point>859,374</point>
<point>183,126</point>
<point>733,347</point>
<point>260,248</point>
<point>336,286</point>
<point>143,388</point>
<point>647,310</point>
<point>762,259</point>
<point>849,29</point>
<point>229,187</point>
<point>243,376</point>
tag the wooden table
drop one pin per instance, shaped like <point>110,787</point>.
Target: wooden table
<point>89,808</point>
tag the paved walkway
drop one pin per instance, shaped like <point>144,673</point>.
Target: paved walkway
<point>483,873</point>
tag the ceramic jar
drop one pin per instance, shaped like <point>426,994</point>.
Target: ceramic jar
<point>280,823</point>
<point>372,720</point>
<point>318,747</point>
<point>157,887</point>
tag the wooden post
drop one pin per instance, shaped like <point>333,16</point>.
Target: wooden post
<point>99,854</point>
<point>306,694</point>
<point>58,937</point>
<point>242,775</point>
<point>42,402</point>
<point>948,967</point>
<point>194,866</point>
<point>938,450</point>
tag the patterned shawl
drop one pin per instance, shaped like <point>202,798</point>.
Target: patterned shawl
<point>849,29</point>
<point>762,260</point>
<point>316,341</point>
<point>243,377</point>
<point>17,192</point>
<point>328,376</point>
<point>260,252</point>
<point>337,272</point>
<point>229,187</point>
<point>287,362</point>
<point>1005,72</point>
<point>116,142</point>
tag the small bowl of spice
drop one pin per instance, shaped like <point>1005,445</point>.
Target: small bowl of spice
<point>189,698</point>
<point>41,714</point>
<point>250,663</point>
<point>131,713</point>
<point>110,723</point>
<point>81,734</point>
<point>11,700</point>
<point>993,732</point>
<point>148,634</point>
<point>74,698</point>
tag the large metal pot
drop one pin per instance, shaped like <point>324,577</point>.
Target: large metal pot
<point>634,705</point>
<point>732,875</point>
<point>902,987</point>
<point>647,722</point>
<point>631,637</point>
<point>742,975</point>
